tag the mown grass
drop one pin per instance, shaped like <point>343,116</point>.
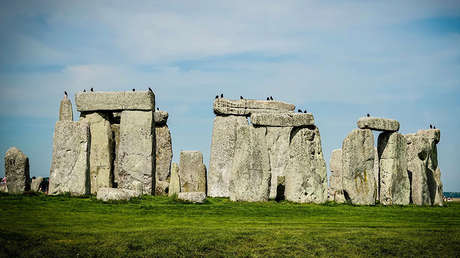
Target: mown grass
<point>61,226</point>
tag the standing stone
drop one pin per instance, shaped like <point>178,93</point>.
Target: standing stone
<point>418,153</point>
<point>278,150</point>
<point>394,180</point>
<point>35,185</point>
<point>222,153</point>
<point>306,175</point>
<point>70,163</point>
<point>17,171</point>
<point>377,173</point>
<point>192,172</point>
<point>163,157</point>
<point>335,180</point>
<point>358,167</point>
<point>101,154</point>
<point>174,183</point>
<point>438,193</point>
<point>136,153</point>
<point>65,110</point>
<point>116,140</point>
<point>250,178</point>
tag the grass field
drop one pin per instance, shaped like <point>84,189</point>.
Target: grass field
<point>39,225</point>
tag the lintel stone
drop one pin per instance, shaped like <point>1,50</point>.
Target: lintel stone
<point>245,107</point>
<point>129,100</point>
<point>285,119</point>
<point>378,124</point>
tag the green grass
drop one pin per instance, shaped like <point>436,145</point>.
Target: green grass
<point>39,225</point>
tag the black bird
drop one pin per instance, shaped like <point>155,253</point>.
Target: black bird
<point>268,98</point>
<point>298,110</point>
<point>150,90</point>
<point>431,126</point>
<point>305,111</point>
<point>158,109</point>
<point>434,127</point>
<point>368,115</point>
<point>84,90</point>
<point>134,89</point>
<point>217,96</point>
<point>65,93</point>
<point>92,89</point>
<point>241,97</point>
<point>221,95</point>
<point>271,98</point>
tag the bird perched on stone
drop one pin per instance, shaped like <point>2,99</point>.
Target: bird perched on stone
<point>298,110</point>
<point>150,90</point>
<point>271,98</point>
<point>431,126</point>
<point>92,89</point>
<point>268,98</point>
<point>158,109</point>
<point>368,115</point>
<point>84,90</point>
<point>65,94</point>
<point>217,96</point>
<point>134,89</point>
<point>434,127</point>
<point>222,95</point>
<point>241,97</point>
<point>305,111</point>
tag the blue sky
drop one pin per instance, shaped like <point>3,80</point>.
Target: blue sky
<point>337,59</point>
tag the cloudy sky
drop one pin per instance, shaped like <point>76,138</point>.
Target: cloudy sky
<point>337,59</point>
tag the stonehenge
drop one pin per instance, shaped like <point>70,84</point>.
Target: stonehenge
<point>261,150</point>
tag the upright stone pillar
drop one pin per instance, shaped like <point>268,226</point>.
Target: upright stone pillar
<point>17,171</point>
<point>163,154</point>
<point>70,163</point>
<point>136,153</point>
<point>394,180</point>
<point>278,139</point>
<point>222,153</point>
<point>174,183</point>
<point>306,175</point>
<point>358,167</point>
<point>101,154</point>
<point>335,190</point>
<point>192,172</point>
<point>65,110</point>
<point>251,176</point>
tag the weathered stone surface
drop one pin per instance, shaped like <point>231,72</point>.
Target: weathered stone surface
<point>17,171</point>
<point>192,172</point>
<point>70,163</point>
<point>377,173</point>
<point>358,167</point>
<point>193,197</point>
<point>115,194</point>
<point>163,158</point>
<point>222,153</point>
<point>65,110</point>
<point>379,124</point>
<point>245,107</point>
<point>136,151</point>
<point>101,154</point>
<point>394,180</point>
<point>161,117</point>
<point>335,191</point>
<point>438,192</point>
<point>306,175</point>
<point>432,134</point>
<point>250,178</point>
<point>277,139</point>
<point>289,119</point>
<point>35,185</point>
<point>128,100</point>
<point>174,183</point>
<point>116,141</point>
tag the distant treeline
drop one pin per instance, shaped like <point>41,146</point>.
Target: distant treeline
<point>452,194</point>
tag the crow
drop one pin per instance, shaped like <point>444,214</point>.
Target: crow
<point>241,97</point>
<point>158,109</point>
<point>134,89</point>
<point>65,93</point>
<point>305,111</point>
<point>92,90</point>
<point>271,98</point>
<point>298,110</point>
<point>84,90</point>
<point>217,96</point>
<point>150,90</point>
<point>222,95</point>
<point>268,98</point>
<point>431,126</point>
<point>434,127</point>
<point>368,115</point>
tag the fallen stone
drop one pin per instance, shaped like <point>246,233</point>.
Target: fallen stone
<point>100,101</point>
<point>378,124</point>
<point>394,180</point>
<point>250,178</point>
<point>192,172</point>
<point>35,185</point>
<point>136,152</point>
<point>306,175</point>
<point>222,153</point>
<point>286,119</point>
<point>65,110</point>
<point>174,183</point>
<point>17,171</point>
<point>335,190</point>
<point>358,167</point>
<point>101,154</point>
<point>193,197</point>
<point>161,117</point>
<point>115,194</point>
<point>277,139</point>
<point>246,107</point>
<point>70,161</point>
<point>163,158</point>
